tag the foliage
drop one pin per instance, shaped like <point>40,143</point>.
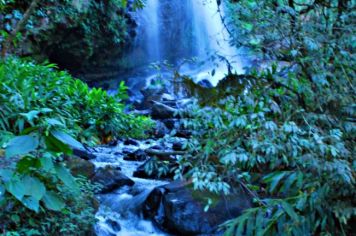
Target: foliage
<point>299,171</point>
<point>289,139</point>
<point>71,33</point>
<point>41,110</point>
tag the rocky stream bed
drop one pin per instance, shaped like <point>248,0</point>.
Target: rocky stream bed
<point>134,202</point>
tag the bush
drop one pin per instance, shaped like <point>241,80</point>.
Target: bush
<point>43,112</point>
<point>299,171</point>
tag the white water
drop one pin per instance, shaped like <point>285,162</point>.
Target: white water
<point>173,30</point>
<point>124,205</point>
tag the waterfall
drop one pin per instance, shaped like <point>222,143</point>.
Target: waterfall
<point>173,30</point>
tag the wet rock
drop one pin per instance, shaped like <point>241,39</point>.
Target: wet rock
<point>79,166</point>
<point>162,111</point>
<point>113,224</point>
<point>83,153</point>
<point>178,146</point>
<point>179,210</point>
<point>111,178</point>
<point>171,123</point>
<point>183,133</point>
<point>131,141</point>
<point>160,130</point>
<point>138,155</point>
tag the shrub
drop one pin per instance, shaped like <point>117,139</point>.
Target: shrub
<point>43,112</point>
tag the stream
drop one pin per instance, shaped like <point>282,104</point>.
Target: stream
<point>121,208</point>
<point>169,31</point>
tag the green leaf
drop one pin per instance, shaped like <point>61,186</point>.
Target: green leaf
<point>247,26</point>
<point>290,211</point>
<point>54,145</point>
<point>34,187</point>
<point>47,162</point>
<point>27,163</point>
<point>31,203</point>
<point>274,179</point>
<point>67,139</point>
<point>21,145</point>
<point>54,122</point>
<point>16,187</point>
<point>66,177</point>
<point>6,175</point>
<point>52,201</point>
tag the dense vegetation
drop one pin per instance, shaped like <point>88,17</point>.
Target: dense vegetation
<point>43,112</point>
<point>286,137</point>
<point>289,140</point>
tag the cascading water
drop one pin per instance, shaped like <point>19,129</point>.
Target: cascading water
<point>174,30</point>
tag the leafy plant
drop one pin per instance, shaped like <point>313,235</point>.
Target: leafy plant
<point>43,112</point>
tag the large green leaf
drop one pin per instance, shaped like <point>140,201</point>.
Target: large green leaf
<point>21,145</point>
<point>52,201</point>
<point>27,163</point>
<point>16,187</point>
<point>67,139</point>
<point>66,177</point>
<point>31,203</point>
<point>47,162</point>
<point>34,187</point>
<point>54,145</point>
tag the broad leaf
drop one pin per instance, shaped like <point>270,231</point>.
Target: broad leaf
<point>67,139</point>
<point>52,201</point>
<point>31,203</point>
<point>34,187</point>
<point>16,187</point>
<point>21,145</point>
<point>66,177</point>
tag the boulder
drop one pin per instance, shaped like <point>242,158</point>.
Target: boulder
<point>162,111</point>
<point>179,210</point>
<point>132,142</point>
<point>138,155</point>
<point>113,224</point>
<point>111,178</point>
<point>83,153</point>
<point>160,130</point>
<point>79,166</point>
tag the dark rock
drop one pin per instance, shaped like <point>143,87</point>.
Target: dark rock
<point>178,146</point>
<point>113,224</point>
<point>126,151</point>
<point>179,210</point>
<point>138,155</point>
<point>157,147</point>
<point>160,130</point>
<point>162,111</point>
<point>83,153</point>
<point>130,141</point>
<point>171,123</point>
<point>111,178</point>
<point>183,133</point>
<point>79,166</point>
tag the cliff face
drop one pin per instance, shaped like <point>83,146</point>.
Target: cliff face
<point>86,36</point>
